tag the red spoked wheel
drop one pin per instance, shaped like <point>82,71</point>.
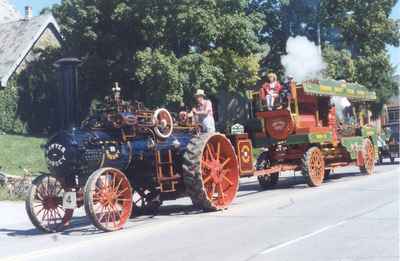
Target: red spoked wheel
<point>313,167</point>
<point>368,154</point>
<point>211,173</point>
<point>44,204</point>
<point>108,199</point>
<point>163,123</point>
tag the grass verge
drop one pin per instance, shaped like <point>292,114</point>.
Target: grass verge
<point>21,152</point>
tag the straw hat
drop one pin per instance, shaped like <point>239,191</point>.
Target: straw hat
<point>273,75</point>
<point>200,92</point>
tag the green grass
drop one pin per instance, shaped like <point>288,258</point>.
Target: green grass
<point>19,152</point>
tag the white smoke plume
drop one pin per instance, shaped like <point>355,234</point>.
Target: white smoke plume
<point>303,60</point>
<point>341,103</point>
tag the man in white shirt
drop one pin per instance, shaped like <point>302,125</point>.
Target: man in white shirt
<point>203,112</point>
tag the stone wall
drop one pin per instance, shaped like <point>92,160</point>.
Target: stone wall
<point>16,186</point>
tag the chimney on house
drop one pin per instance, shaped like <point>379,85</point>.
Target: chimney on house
<point>28,12</point>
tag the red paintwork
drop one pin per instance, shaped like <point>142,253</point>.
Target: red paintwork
<point>278,124</point>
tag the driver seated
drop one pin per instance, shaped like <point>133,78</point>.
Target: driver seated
<point>270,92</point>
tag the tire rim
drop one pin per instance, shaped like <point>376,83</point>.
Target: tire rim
<point>219,171</point>
<point>111,200</point>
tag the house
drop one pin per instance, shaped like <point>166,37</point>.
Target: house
<point>392,111</point>
<point>20,36</point>
<point>22,108</point>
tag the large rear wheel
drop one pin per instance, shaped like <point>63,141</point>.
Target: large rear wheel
<point>108,199</point>
<point>210,172</point>
<point>368,154</point>
<point>313,167</point>
<point>44,204</point>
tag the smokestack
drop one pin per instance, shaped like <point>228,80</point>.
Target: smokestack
<point>67,100</point>
<point>28,12</point>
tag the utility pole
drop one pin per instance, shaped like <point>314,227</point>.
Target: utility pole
<point>319,42</point>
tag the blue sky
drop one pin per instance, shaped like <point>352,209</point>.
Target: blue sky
<point>395,51</point>
<point>40,4</point>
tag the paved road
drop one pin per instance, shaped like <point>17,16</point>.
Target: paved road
<point>351,217</point>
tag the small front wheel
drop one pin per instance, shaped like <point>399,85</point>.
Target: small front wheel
<point>268,181</point>
<point>108,199</point>
<point>313,167</point>
<point>44,204</point>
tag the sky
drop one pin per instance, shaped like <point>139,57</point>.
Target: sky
<point>395,51</point>
<point>38,5</point>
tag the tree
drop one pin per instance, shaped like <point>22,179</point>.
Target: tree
<point>340,64</point>
<point>161,50</point>
<point>365,28</point>
<point>353,35</point>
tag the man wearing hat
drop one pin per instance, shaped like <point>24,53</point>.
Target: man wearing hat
<point>203,112</point>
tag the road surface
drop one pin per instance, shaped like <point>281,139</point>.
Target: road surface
<point>350,217</point>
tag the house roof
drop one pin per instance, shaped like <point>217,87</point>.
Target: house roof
<point>7,12</point>
<point>17,38</point>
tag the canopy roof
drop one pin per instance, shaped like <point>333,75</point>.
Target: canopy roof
<point>353,91</point>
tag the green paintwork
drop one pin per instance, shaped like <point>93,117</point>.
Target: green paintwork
<point>352,145</point>
<point>337,88</point>
<point>320,137</point>
<point>263,142</point>
<point>297,139</point>
<point>315,137</point>
<point>371,132</point>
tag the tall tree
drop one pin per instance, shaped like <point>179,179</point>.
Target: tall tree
<point>163,49</point>
<point>365,28</point>
<point>353,35</point>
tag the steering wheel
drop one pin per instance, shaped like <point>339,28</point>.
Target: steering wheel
<point>163,123</point>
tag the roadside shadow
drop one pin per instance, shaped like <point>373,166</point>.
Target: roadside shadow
<point>178,210</point>
<point>290,182</point>
<point>76,222</point>
<point>388,163</point>
<point>20,232</point>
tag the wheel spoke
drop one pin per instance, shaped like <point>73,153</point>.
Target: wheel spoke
<point>122,192</point>
<point>119,184</point>
<point>127,199</point>
<point>221,193</point>
<point>206,164</point>
<point>207,179</point>
<point>228,180</point>
<point>210,153</point>
<point>212,190</point>
<point>218,151</point>
<point>113,182</point>
<point>45,214</point>
<point>225,162</point>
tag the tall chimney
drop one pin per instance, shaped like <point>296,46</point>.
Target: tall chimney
<point>28,12</point>
<point>67,100</point>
